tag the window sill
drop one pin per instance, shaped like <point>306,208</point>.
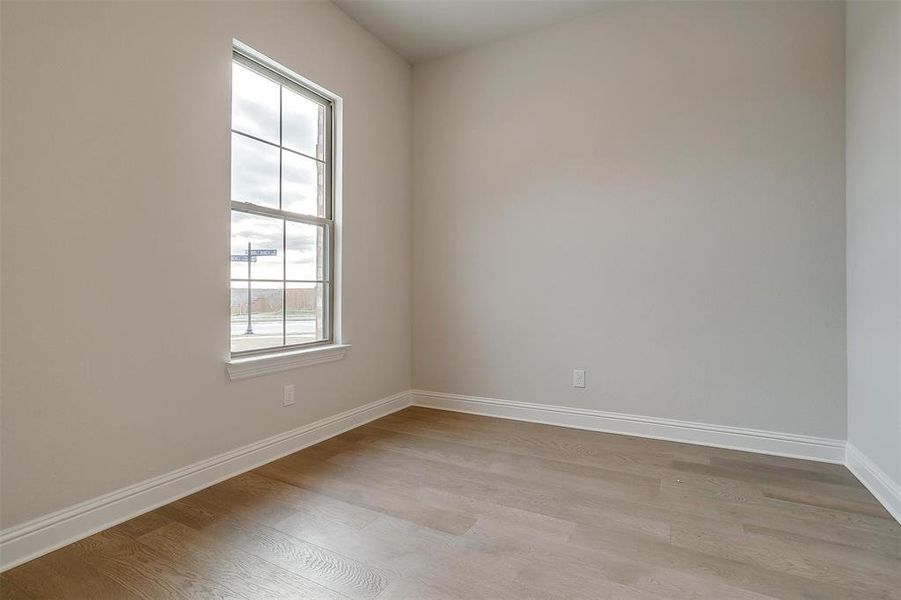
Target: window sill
<point>254,366</point>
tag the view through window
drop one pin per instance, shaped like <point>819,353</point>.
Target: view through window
<point>282,227</point>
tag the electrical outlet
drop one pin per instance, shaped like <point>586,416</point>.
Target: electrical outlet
<point>579,378</point>
<point>289,395</point>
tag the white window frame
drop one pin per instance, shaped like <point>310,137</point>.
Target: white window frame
<point>251,363</point>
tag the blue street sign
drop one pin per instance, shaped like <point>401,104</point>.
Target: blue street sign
<point>253,255</point>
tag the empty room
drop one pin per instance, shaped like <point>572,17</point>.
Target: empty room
<point>450,299</point>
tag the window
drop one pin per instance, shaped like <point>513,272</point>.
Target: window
<point>282,211</point>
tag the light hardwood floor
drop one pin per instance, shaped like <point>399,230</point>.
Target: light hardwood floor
<point>426,504</point>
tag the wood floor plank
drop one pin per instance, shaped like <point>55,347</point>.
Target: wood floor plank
<point>10,591</point>
<point>452,567</point>
<point>875,565</point>
<point>364,490</point>
<point>316,507</point>
<point>782,557</point>
<point>757,508</point>
<point>781,480</point>
<point>245,573</point>
<point>65,574</point>
<point>568,445</point>
<point>329,569</point>
<point>792,469</point>
<point>303,523</point>
<point>544,525</point>
<point>743,575</point>
<point>142,524</point>
<point>148,574</point>
<point>882,546</point>
<point>595,567</point>
<point>504,463</point>
<point>432,505</point>
<point>872,509</point>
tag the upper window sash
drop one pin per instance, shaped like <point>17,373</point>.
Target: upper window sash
<point>272,73</point>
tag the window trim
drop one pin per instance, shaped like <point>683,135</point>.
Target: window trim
<point>277,358</point>
<point>252,366</point>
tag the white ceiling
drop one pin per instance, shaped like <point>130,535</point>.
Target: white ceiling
<point>423,29</point>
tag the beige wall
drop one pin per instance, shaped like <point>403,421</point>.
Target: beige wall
<point>654,193</point>
<point>115,212</point>
<point>873,162</point>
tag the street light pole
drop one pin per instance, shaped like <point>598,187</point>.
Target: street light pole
<point>249,323</point>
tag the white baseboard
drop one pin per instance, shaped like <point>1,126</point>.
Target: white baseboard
<point>883,488</point>
<point>29,540</point>
<point>721,436</point>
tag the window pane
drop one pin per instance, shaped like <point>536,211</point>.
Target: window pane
<point>254,104</point>
<point>254,172</point>
<point>303,185</point>
<point>305,251</point>
<point>303,124</point>
<point>305,311</point>
<point>264,237</point>
<point>262,302</point>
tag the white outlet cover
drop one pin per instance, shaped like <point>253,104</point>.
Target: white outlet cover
<point>289,395</point>
<point>579,378</point>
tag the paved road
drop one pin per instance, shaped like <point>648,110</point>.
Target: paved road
<point>269,333</point>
